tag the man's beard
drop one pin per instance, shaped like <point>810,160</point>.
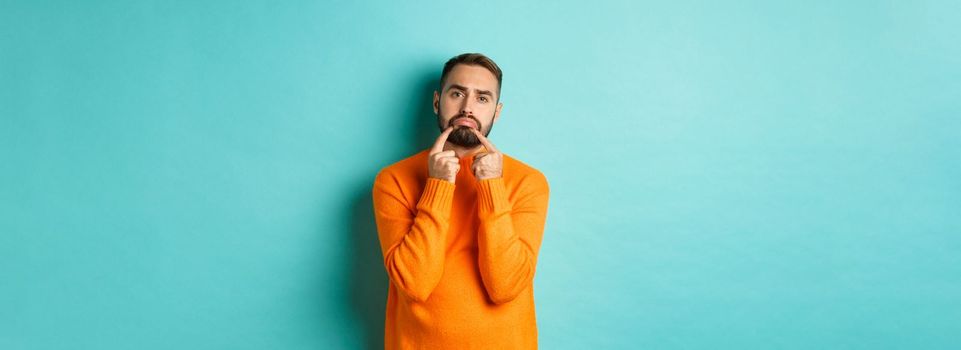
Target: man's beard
<point>461,135</point>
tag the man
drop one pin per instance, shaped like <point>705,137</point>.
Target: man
<point>460,225</point>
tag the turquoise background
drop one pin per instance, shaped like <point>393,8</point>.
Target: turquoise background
<point>740,175</point>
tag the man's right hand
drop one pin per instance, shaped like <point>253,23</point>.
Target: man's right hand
<point>443,164</point>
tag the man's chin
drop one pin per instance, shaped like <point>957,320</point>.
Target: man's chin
<point>464,137</point>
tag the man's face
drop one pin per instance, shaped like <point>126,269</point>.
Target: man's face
<point>468,100</point>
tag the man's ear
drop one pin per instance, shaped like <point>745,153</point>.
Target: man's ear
<point>497,111</point>
<point>436,102</point>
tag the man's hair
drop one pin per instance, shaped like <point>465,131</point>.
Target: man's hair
<point>472,59</point>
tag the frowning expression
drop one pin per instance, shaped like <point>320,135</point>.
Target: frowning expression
<point>468,99</point>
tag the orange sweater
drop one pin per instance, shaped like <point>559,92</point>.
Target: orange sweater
<point>460,256</point>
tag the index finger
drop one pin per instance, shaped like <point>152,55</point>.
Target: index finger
<point>439,144</point>
<point>484,141</point>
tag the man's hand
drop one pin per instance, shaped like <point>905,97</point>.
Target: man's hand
<point>490,164</point>
<point>443,164</point>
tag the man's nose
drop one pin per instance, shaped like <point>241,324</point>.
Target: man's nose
<point>466,108</point>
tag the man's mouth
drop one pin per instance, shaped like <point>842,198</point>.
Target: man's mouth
<point>465,121</point>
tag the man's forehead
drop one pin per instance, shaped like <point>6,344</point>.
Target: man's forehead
<point>471,77</point>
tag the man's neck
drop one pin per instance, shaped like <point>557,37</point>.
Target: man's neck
<point>462,151</point>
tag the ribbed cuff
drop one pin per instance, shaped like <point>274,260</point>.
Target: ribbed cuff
<point>492,197</point>
<point>438,196</point>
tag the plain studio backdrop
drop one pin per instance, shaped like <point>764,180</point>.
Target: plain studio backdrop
<point>740,175</point>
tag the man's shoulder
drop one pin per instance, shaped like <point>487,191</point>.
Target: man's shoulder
<point>524,173</point>
<point>407,168</point>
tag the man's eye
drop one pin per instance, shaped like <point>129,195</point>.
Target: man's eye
<point>483,99</point>
<point>456,94</point>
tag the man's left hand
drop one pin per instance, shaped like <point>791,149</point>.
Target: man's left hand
<point>490,164</point>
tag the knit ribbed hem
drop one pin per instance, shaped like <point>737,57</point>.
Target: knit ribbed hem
<point>438,196</point>
<point>492,197</point>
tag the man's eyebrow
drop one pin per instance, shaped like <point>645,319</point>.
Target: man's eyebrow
<point>455,86</point>
<point>464,88</point>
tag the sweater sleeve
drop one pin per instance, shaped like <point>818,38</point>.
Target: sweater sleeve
<point>510,236</point>
<point>413,239</point>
